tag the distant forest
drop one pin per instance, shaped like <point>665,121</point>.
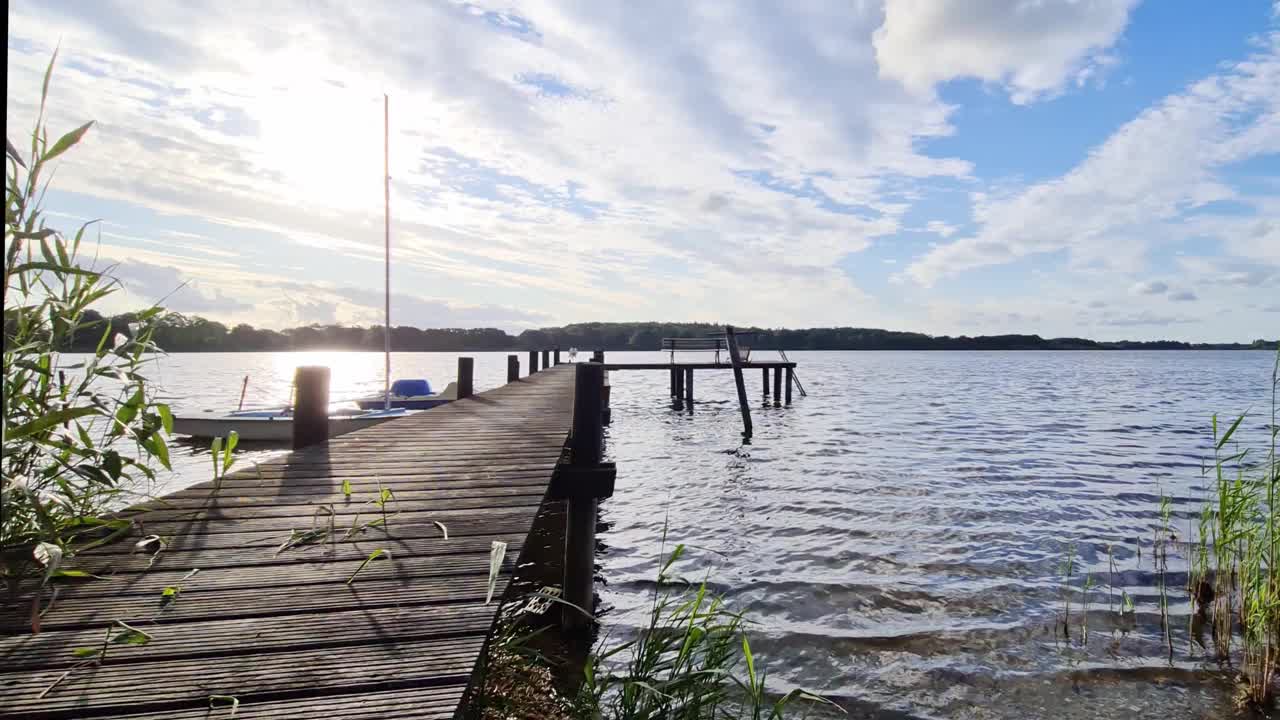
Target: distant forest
<point>184,333</point>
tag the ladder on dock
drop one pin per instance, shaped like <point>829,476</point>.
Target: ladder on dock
<point>795,377</point>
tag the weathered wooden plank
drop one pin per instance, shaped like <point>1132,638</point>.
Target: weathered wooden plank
<point>305,571</point>
<point>429,703</point>
<point>76,613</point>
<point>514,522</point>
<point>215,525</point>
<point>405,491</point>
<point>159,685</point>
<point>302,481</point>
<point>359,503</point>
<point>353,549</point>
<point>248,636</point>
<point>426,703</point>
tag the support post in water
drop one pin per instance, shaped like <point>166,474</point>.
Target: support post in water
<point>513,368</point>
<point>580,508</point>
<point>546,359</point>
<point>678,396</point>
<point>555,356</point>
<point>688,388</point>
<point>597,356</point>
<point>777,385</point>
<point>311,411</point>
<point>671,377</point>
<point>764,383</point>
<point>736,359</point>
<point>466,372</point>
<point>533,361</point>
<point>790,379</point>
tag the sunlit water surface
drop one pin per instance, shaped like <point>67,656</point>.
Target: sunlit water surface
<point>898,535</point>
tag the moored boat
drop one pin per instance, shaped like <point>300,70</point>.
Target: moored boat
<point>275,425</point>
<point>411,395</point>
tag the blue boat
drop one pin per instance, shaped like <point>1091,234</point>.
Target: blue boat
<point>412,394</point>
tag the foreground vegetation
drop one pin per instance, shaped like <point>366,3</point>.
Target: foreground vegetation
<point>183,333</point>
<point>692,660</point>
<point>1235,575</point>
<point>75,434</point>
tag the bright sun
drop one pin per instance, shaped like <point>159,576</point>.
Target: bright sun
<point>326,143</point>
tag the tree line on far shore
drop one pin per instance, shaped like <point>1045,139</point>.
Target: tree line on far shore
<point>186,333</point>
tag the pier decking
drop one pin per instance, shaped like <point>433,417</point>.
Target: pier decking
<point>288,633</point>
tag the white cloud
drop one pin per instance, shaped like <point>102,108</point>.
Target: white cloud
<point>941,228</point>
<point>1151,287</point>
<point>1139,185</point>
<point>554,148</point>
<point>1032,48</point>
<point>616,160</point>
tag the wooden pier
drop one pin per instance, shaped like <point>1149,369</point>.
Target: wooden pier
<point>681,373</point>
<point>315,630</point>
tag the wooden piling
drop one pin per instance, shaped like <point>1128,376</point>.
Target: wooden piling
<point>678,396</point>
<point>688,388</point>
<point>533,361</point>
<point>311,410</point>
<point>736,358</point>
<point>555,356</point>
<point>580,508</point>
<point>777,385</point>
<point>790,380</point>
<point>671,376</point>
<point>513,368</point>
<point>546,359</point>
<point>466,372</point>
<point>764,382</point>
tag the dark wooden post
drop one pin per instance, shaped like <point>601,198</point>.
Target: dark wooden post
<point>790,380</point>
<point>736,359</point>
<point>533,361</point>
<point>513,368</point>
<point>466,372</point>
<point>777,385</point>
<point>546,359</point>
<point>688,387</point>
<point>606,412</point>
<point>311,411</point>
<point>597,356</point>
<point>672,378</point>
<point>679,396</point>
<point>764,373</point>
<point>556,356</point>
<point>580,508</point>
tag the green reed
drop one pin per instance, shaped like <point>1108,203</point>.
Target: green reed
<point>690,660</point>
<point>1234,575</point>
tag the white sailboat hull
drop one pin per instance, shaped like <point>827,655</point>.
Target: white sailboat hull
<point>278,428</point>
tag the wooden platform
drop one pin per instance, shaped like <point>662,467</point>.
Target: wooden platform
<point>283,632</point>
<point>768,365</point>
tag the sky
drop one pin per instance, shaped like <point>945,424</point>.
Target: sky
<point>1098,168</point>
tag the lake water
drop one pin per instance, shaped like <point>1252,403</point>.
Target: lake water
<point>898,534</point>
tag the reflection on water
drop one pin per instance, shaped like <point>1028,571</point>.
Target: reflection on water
<point>897,534</point>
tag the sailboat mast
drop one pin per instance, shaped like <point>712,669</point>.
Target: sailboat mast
<point>386,197</point>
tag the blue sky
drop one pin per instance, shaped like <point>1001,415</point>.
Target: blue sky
<point>1108,169</point>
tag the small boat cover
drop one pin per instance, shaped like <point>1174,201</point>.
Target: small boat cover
<point>410,388</point>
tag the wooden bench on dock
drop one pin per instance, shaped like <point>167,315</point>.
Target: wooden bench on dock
<point>713,343</point>
<point>315,630</point>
